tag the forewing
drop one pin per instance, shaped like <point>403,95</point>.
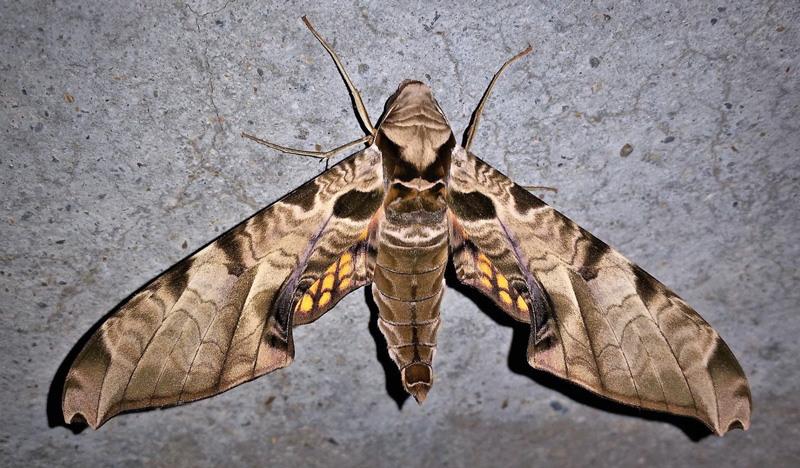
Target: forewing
<point>597,319</point>
<point>224,315</point>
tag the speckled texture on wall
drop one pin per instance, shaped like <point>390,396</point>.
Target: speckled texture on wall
<point>670,130</point>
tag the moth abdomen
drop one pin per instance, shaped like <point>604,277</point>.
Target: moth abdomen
<point>408,286</point>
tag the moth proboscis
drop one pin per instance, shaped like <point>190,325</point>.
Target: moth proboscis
<point>390,216</point>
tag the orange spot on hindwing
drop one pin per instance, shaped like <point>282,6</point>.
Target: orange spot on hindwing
<point>482,274</point>
<point>337,280</point>
<point>505,298</point>
<point>345,265</point>
<point>521,305</point>
<point>325,299</point>
<point>327,283</point>
<point>486,269</point>
<point>496,285</point>
<point>307,303</point>
<point>502,282</point>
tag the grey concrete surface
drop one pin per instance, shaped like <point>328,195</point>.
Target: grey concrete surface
<point>120,154</point>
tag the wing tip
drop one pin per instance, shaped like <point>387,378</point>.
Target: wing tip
<point>737,415</point>
<point>79,418</point>
<point>731,389</point>
<point>721,429</point>
<point>79,408</point>
<point>739,418</point>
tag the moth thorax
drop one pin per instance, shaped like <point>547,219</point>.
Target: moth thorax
<point>416,124</point>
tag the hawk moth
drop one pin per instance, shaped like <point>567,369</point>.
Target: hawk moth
<point>390,216</point>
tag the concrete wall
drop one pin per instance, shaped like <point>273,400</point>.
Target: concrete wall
<point>120,154</point>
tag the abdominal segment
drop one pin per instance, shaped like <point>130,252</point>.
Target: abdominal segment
<point>408,285</point>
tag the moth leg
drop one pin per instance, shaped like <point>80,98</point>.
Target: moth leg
<point>363,117</point>
<point>476,117</point>
<point>362,110</point>
<point>313,154</point>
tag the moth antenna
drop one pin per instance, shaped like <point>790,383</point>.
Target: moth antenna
<point>314,154</point>
<point>476,116</point>
<point>531,188</point>
<point>363,117</point>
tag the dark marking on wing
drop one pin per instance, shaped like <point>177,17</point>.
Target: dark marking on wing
<point>471,206</point>
<point>358,205</point>
<point>524,200</point>
<point>176,279</point>
<point>645,285</point>
<point>231,246</point>
<point>304,196</point>
<point>596,250</point>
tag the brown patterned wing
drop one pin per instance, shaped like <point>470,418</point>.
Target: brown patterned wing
<point>596,318</point>
<point>224,315</point>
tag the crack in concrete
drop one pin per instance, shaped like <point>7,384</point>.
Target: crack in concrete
<point>218,122</point>
<point>208,13</point>
<point>456,69</point>
<point>218,126</point>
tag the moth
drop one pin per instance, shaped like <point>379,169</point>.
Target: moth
<point>390,216</point>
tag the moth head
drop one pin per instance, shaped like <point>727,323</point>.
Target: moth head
<point>414,123</point>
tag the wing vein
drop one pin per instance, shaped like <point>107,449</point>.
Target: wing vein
<point>144,349</point>
<point>619,345</point>
<point>675,356</point>
<point>203,340</point>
